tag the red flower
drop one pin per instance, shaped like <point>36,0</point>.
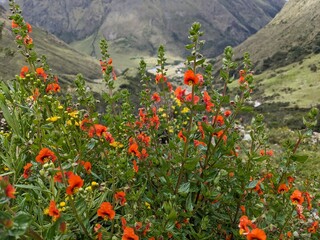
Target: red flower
<point>257,234</point>
<point>308,197</point>
<point>24,70</point>
<point>10,191</point>
<point>123,223</point>
<point>98,130</point>
<point>195,98</point>
<point>53,211</point>
<point>190,78</point>
<point>53,87</point>
<point>27,170</point>
<point>75,182</point>
<point>160,77</point>
<point>313,228</point>
<point>227,113</point>
<point>58,176</point>
<point>283,188</point>
<point>106,211</point>
<point>45,155</point>
<point>120,197</point>
<point>156,97</point>
<point>297,197</point>
<point>179,93</point>
<point>129,234</point>
<point>181,136</point>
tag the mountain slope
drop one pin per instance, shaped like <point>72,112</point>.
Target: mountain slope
<point>144,24</point>
<point>293,34</point>
<point>63,59</point>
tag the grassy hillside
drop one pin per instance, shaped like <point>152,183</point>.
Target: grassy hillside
<point>292,35</point>
<point>64,60</point>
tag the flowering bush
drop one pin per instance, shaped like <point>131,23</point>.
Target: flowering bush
<point>176,169</point>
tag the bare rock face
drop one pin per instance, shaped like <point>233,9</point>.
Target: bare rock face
<point>144,24</point>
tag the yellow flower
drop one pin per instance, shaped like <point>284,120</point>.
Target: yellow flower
<point>53,119</point>
<point>178,102</point>
<point>94,184</point>
<point>60,107</point>
<point>185,110</point>
<point>164,115</point>
<point>62,204</point>
<point>171,129</point>
<point>89,189</point>
<point>160,110</point>
<point>74,114</point>
<point>116,144</point>
<point>46,211</point>
<point>147,205</point>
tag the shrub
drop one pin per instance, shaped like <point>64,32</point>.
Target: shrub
<point>176,169</point>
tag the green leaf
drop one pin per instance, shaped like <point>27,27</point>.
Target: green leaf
<point>252,184</point>
<point>191,163</point>
<point>189,204</point>
<point>189,46</point>
<point>184,189</point>
<point>200,62</point>
<point>300,158</point>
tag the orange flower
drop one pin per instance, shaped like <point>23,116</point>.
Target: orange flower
<point>106,211</point>
<point>85,123</point>
<point>138,225</point>
<point>35,94</point>
<point>196,99</point>
<point>27,40</point>
<point>207,101</point>
<point>179,93</point>
<point>313,228</point>
<point>219,120</point>
<point>58,176</point>
<point>133,149</point>
<point>308,197</point>
<point>41,72</point>
<point>244,225</point>
<point>97,129</point>
<point>24,71</point>
<point>87,166</point>
<point>10,191</point>
<point>53,87</point>
<point>257,234</point>
<point>190,78</point>
<point>45,155</point>
<point>53,211</point>
<point>227,113</point>
<point>283,188</point>
<point>123,223</point>
<point>75,182</point>
<point>297,197</point>
<point>181,136</point>
<point>27,170</point>
<point>197,143</point>
<point>120,196</point>
<point>135,166</point>
<point>14,24</point>
<point>29,28</point>
<point>160,77</point>
<point>129,234</point>
<point>156,97</point>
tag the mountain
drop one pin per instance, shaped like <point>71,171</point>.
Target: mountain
<point>64,60</point>
<point>133,26</point>
<point>293,34</point>
<point>286,60</point>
